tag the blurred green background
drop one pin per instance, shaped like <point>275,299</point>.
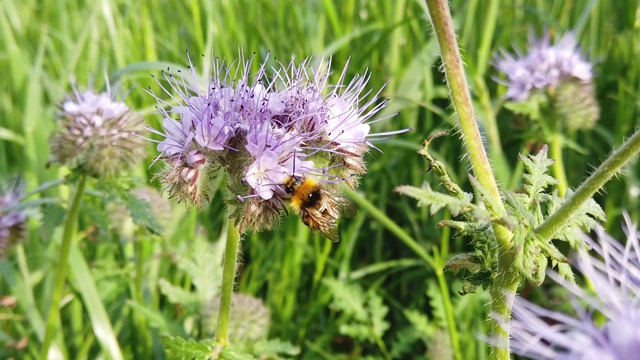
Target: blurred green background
<point>380,291</point>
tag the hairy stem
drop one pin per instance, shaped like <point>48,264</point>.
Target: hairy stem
<point>508,280</point>
<point>228,278</point>
<point>603,173</point>
<point>558,165</point>
<point>53,319</point>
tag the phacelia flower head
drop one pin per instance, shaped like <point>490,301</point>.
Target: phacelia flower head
<point>558,71</point>
<point>13,222</point>
<point>615,275</point>
<point>99,136</point>
<point>544,65</point>
<point>259,129</point>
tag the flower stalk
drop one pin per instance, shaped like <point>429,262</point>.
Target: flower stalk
<point>228,279</point>
<point>53,318</point>
<point>506,280</point>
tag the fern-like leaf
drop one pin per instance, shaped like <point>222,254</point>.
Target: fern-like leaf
<point>435,200</point>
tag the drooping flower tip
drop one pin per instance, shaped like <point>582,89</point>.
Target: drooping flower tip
<point>615,275</point>
<point>544,65</point>
<point>98,135</point>
<point>261,129</point>
<point>13,222</point>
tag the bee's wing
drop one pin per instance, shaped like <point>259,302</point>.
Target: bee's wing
<point>317,220</point>
<point>347,208</point>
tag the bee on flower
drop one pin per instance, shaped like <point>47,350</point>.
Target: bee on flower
<point>283,136</point>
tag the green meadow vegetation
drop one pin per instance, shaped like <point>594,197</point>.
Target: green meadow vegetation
<point>381,292</point>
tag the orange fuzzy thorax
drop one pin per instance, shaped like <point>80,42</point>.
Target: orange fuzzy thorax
<point>302,190</point>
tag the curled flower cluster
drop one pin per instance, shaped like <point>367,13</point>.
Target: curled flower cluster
<point>12,222</point>
<point>557,70</point>
<point>543,66</point>
<point>615,274</point>
<point>260,129</point>
<point>99,136</point>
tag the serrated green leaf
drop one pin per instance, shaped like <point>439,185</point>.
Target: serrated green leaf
<point>178,295</point>
<point>536,178</point>
<point>436,303</point>
<point>97,217</point>
<point>565,271</point>
<point>420,323</point>
<point>481,194</point>
<point>348,298</point>
<point>231,353</point>
<point>53,215</point>
<point>377,312</point>
<point>468,261</point>
<point>177,348</point>
<point>202,261</point>
<point>435,200</point>
<point>532,107</point>
<point>272,348</point>
<point>356,330</point>
<point>140,211</point>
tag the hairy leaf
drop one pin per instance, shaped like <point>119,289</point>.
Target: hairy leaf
<point>435,200</point>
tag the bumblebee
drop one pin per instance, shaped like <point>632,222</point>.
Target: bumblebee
<point>318,208</point>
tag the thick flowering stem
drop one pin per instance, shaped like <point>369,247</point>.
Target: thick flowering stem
<point>603,173</point>
<point>558,165</point>
<point>506,280</point>
<point>53,318</point>
<point>228,278</point>
<point>454,71</point>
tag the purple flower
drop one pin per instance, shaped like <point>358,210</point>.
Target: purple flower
<point>98,135</point>
<point>266,174</point>
<point>12,221</point>
<point>544,65</point>
<point>615,275</point>
<point>260,129</point>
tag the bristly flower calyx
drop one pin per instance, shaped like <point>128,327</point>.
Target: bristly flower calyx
<point>524,212</point>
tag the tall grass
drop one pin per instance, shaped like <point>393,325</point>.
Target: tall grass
<point>390,249</point>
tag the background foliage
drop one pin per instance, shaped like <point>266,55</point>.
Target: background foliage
<point>370,294</point>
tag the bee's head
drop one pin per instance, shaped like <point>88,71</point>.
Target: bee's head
<point>291,183</point>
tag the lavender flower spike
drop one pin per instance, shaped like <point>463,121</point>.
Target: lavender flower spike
<point>615,274</point>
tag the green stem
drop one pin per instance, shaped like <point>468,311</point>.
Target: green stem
<point>603,173</point>
<point>53,318</point>
<point>502,290</point>
<point>141,323</point>
<point>461,99</point>
<point>507,280</point>
<point>448,308</point>
<point>558,165</point>
<point>228,278</point>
